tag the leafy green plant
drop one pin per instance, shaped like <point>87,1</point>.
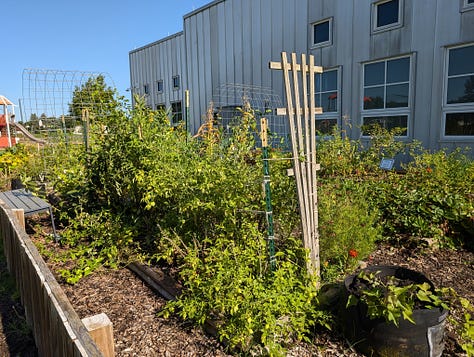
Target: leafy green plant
<point>392,299</point>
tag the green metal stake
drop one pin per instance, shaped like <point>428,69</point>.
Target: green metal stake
<point>268,196</point>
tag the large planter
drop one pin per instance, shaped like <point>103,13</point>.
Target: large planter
<point>376,337</point>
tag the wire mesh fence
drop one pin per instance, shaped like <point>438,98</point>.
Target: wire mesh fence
<point>230,98</point>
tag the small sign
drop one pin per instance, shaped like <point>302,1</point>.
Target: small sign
<point>387,164</point>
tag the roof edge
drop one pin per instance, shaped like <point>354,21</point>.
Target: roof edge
<point>167,38</point>
<point>202,8</point>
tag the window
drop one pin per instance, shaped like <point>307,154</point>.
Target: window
<point>387,14</point>
<point>386,93</point>
<point>146,89</point>
<point>322,33</point>
<point>459,92</point>
<point>468,5</point>
<point>159,86</point>
<point>327,97</point>
<point>176,83</point>
<point>176,113</point>
<point>161,107</point>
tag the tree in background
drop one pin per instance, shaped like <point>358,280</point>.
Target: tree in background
<point>96,96</point>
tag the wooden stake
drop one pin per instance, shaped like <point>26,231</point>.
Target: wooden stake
<point>20,216</point>
<point>100,329</point>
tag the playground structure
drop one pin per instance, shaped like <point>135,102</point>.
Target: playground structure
<point>7,115</point>
<point>8,126</point>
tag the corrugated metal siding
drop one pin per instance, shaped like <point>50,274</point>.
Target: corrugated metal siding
<point>159,61</point>
<point>242,36</point>
<point>428,28</point>
<point>232,41</point>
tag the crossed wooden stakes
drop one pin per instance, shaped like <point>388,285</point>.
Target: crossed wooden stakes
<point>302,121</point>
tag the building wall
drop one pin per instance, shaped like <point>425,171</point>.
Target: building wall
<point>159,61</point>
<point>232,41</point>
<point>428,29</point>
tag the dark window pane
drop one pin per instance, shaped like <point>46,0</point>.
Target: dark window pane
<point>374,98</point>
<point>321,32</point>
<point>387,122</point>
<point>318,100</point>
<point>329,101</point>
<point>325,126</point>
<point>159,86</point>
<point>176,112</point>
<point>461,90</point>
<point>397,96</point>
<point>461,61</point>
<point>329,81</point>
<point>387,13</point>
<point>374,73</point>
<point>318,82</point>
<point>459,124</point>
<point>470,1</point>
<point>398,70</point>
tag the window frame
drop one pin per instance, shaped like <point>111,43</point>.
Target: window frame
<point>159,83</point>
<point>176,81</point>
<point>146,89</point>
<point>335,115</point>
<point>173,113</point>
<point>454,108</point>
<point>389,112</point>
<point>466,5</point>
<point>329,20</point>
<point>392,26</point>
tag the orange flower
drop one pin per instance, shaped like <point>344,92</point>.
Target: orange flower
<point>353,253</point>
<point>429,170</point>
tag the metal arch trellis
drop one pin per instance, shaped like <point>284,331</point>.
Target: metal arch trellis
<point>45,109</point>
<point>264,101</point>
<point>48,93</point>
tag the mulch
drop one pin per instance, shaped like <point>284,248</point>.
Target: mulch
<point>133,308</point>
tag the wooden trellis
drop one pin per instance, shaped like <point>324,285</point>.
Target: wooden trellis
<point>301,111</point>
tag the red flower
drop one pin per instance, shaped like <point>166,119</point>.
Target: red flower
<point>353,253</point>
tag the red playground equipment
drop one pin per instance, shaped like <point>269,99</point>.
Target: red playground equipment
<point>7,117</point>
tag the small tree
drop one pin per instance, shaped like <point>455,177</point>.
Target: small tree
<point>95,96</point>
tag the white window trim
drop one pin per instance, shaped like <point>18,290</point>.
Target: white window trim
<point>466,6</point>
<point>456,107</point>
<point>337,114</point>
<point>330,115</point>
<point>388,112</point>
<point>388,27</point>
<point>326,43</point>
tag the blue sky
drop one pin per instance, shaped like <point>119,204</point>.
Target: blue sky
<point>82,35</point>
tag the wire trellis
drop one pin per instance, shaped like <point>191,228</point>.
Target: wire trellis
<point>47,96</point>
<point>229,98</point>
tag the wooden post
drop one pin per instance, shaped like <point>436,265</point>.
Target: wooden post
<point>100,329</point>
<point>20,216</point>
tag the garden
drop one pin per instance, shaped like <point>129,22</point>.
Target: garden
<point>145,191</point>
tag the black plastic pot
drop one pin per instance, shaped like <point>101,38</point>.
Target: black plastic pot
<point>377,337</point>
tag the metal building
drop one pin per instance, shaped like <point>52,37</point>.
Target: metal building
<point>404,63</point>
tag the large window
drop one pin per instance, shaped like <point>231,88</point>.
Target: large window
<point>322,33</point>
<point>386,93</point>
<point>176,113</point>
<point>327,97</point>
<point>459,92</point>
<point>387,14</point>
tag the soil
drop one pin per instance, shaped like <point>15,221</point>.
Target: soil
<point>132,306</point>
